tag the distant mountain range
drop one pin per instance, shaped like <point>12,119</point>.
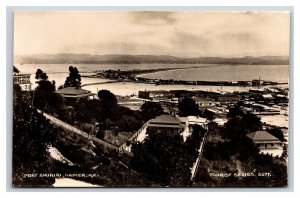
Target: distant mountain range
<point>139,59</point>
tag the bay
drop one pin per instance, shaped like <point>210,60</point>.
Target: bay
<point>59,72</point>
<point>276,73</point>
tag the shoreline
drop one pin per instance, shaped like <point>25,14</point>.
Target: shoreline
<point>136,79</point>
<point>203,83</point>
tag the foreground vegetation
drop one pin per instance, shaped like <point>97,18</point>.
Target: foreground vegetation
<point>228,150</point>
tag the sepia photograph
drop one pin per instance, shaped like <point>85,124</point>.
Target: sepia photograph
<point>150,99</point>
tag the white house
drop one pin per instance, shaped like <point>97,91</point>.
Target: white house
<point>23,80</point>
<point>267,143</point>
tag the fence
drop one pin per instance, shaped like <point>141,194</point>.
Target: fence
<point>106,146</point>
<point>197,163</point>
<point>134,137</point>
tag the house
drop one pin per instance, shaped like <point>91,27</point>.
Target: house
<point>192,120</point>
<point>166,124</point>
<point>266,143</point>
<point>73,94</point>
<point>22,79</point>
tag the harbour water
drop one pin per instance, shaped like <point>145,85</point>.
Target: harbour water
<point>59,72</point>
<point>276,73</point>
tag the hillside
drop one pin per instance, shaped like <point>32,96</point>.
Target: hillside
<point>139,59</point>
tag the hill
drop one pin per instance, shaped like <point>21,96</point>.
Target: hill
<point>139,59</point>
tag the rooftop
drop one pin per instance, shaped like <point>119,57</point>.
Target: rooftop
<point>179,126</point>
<point>165,119</point>
<point>74,92</point>
<point>267,96</point>
<point>182,119</point>
<point>261,136</point>
<point>196,119</point>
<point>16,70</point>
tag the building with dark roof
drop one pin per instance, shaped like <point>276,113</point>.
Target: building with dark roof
<point>165,124</point>
<point>267,143</point>
<point>73,94</point>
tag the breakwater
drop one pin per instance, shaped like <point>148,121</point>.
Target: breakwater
<point>132,76</point>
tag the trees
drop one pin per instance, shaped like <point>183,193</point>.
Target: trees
<point>87,110</point>
<point>74,78</point>
<point>164,159</point>
<point>40,75</point>
<point>32,134</point>
<point>188,107</point>
<point>252,122</point>
<point>277,133</point>
<point>109,104</point>
<point>236,129</point>
<point>209,115</point>
<point>218,151</point>
<point>107,98</point>
<point>239,123</point>
<point>44,93</point>
<point>43,83</point>
<point>108,113</point>
<point>151,109</point>
<point>234,112</point>
<point>128,124</point>
<point>193,142</point>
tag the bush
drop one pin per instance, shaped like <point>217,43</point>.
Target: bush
<point>129,124</point>
<point>202,176</point>
<point>188,107</point>
<point>151,109</point>
<point>218,151</point>
<point>277,133</point>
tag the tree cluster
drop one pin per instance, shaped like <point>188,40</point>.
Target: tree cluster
<point>74,78</point>
<point>165,159</point>
<point>276,132</point>
<point>187,107</point>
<point>239,124</point>
<point>43,83</point>
<point>108,114</point>
<point>151,109</point>
<point>32,134</point>
<point>193,142</point>
<point>44,96</point>
<point>234,132</point>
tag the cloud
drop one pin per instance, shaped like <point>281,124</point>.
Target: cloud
<point>124,47</point>
<point>187,42</point>
<point>180,33</point>
<point>240,36</point>
<point>153,17</point>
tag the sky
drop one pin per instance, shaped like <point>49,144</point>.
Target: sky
<point>175,33</point>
